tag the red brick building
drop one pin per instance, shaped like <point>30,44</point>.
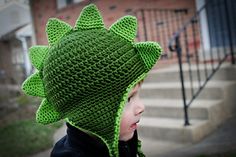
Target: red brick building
<point>158,19</point>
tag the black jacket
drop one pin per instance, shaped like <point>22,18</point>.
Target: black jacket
<point>79,144</point>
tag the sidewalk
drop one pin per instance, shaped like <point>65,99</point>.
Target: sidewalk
<point>221,141</point>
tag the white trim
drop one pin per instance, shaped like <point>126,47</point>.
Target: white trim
<point>204,26</point>
<point>21,35</point>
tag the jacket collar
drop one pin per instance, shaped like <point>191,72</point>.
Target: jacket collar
<point>78,138</point>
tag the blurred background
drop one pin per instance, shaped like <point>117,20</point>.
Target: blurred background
<point>190,93</point>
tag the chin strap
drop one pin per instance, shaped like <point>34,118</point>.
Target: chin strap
<point>140,153</point>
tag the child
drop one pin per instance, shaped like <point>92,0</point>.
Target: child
<point>86,76</point>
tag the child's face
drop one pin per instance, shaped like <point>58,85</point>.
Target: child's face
<point>131,114</point>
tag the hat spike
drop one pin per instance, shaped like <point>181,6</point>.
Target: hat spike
<point>126,27</point>
<point>89,18</point>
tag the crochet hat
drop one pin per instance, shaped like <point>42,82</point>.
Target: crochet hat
<point>86,73</point>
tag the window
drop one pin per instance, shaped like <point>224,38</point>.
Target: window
<point>64,3</point>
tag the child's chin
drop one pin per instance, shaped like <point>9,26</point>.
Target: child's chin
<point>127,137</point>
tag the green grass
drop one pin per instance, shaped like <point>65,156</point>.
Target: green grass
<point>26,137</point>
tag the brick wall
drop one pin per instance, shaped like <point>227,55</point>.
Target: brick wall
<point>111,10</point>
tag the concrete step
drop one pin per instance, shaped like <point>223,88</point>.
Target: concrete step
<point>156,148</point>
<point>171,73</point>
<point>172,90</point>
<point>173,108</point>
<point>169,129</point>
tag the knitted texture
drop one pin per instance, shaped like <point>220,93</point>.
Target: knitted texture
<point>86,73</point>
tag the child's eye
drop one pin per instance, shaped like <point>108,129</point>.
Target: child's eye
<point>129,99</point>
<point>133,95</point>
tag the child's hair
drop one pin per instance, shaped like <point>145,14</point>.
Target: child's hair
<point>86,73</point>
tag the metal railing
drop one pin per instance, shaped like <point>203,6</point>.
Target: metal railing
<point>160,25</point>
<point>202,45</point>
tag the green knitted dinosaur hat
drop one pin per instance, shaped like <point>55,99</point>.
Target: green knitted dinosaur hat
<point>86,73</point>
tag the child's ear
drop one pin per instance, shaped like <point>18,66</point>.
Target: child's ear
<point>150,52</point>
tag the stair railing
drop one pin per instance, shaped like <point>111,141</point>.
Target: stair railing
<point>157,24</point>
<point>198,57</point>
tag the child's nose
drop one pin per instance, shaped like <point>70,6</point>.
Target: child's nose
<point>140,107</point>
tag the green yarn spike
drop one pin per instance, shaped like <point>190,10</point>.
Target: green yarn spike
<point>149,51</point>
<point>37,55</point>
<point>56,29</point>
<point>125,27</point>
<point>34,86</point>
<point>89,18</point>
<point>46,113</point>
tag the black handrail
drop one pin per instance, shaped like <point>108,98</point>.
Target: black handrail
<point>179,43</point>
